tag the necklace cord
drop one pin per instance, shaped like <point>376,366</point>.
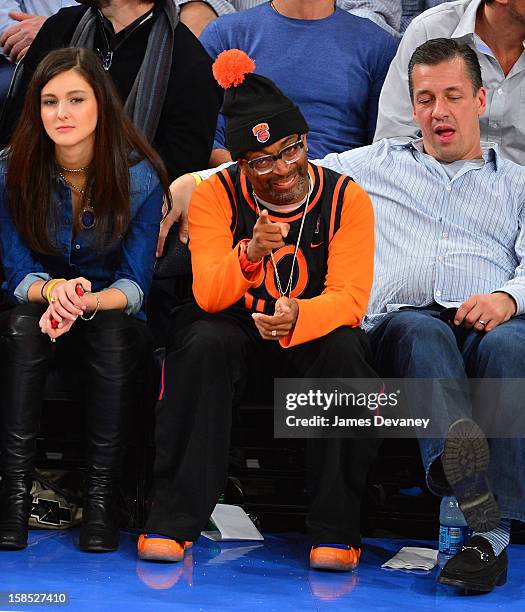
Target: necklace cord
<point>72,185</point>
<point>288,288</point>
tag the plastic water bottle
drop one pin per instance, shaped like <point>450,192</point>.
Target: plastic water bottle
<point>453,530</point>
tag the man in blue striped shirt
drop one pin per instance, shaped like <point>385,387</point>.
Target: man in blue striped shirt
<point>450,224</point>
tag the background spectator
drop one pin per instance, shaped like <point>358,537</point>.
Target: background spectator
<point>197,14</point>
<point>495,30</point>
<point>413,8</point>
<point>175,108</point>
<point>20,21</point>
<point>339,100</point>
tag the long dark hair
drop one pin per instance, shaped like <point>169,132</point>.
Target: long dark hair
<point>31,165</point>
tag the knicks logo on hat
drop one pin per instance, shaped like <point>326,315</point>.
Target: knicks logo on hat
<point>261,131</point>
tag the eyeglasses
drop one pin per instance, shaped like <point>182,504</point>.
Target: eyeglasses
<point>289,155</point>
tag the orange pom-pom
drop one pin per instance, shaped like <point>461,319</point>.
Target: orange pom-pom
<point>230,68</point>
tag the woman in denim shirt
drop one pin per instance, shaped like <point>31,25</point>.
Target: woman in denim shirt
<point>81,198</point>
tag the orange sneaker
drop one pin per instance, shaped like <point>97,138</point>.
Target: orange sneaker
<point>337,557</point>
<point>154,547</point>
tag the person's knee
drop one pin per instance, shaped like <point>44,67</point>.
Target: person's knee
<point>418,345</point>
<point>504,346</point>
<point>23,320</point>
<point>107,320</point>
<point>204,338</point>
<point>346,342</point>
<point>116,342</point>
<point>415,331</point>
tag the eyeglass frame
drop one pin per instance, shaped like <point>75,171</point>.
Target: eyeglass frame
<point>278,156</point>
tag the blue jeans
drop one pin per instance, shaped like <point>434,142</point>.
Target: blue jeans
<point>417,343</point>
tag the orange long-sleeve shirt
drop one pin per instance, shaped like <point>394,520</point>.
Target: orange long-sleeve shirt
<point>338,236</point>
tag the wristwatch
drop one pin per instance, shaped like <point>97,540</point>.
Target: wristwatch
<point>246,264</point>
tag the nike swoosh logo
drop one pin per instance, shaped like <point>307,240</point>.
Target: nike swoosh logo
<point>314,246</point>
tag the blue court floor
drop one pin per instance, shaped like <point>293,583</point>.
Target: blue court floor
<point>268,576</point>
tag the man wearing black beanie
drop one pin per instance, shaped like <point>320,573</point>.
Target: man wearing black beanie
<point>282,257</point>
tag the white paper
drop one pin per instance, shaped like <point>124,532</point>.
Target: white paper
<point>232,524</point>
<point>412,557</point>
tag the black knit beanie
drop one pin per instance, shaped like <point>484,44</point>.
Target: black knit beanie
<point>257,112</point>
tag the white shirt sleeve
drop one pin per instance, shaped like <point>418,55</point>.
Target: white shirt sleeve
<point>394,118</point>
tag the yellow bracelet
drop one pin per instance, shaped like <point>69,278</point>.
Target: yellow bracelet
<point>197,177</point>
<point>50,286</point>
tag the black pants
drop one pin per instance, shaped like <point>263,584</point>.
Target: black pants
<point>206,369</point>
<point>111,351</point>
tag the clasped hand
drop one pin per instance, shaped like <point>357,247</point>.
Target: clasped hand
<point>65,306</point>
<point>281,322</point>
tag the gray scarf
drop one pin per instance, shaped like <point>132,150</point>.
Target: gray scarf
<point>146,98</point>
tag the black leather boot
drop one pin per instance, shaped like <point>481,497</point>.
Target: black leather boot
<point>113,352</point>
<point>99,531</point>
<point>26,355</point>
<point>15,508</point>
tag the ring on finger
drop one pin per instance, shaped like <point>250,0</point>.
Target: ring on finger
<point>482,323</point>
<point>52,300</point>
<point>274,332</point>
